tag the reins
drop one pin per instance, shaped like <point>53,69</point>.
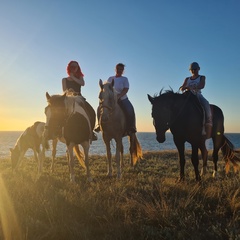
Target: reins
<point>109,108</point>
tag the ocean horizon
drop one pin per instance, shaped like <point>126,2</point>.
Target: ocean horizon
<point>147,140</point>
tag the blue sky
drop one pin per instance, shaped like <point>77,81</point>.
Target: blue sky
<point>157,40</point>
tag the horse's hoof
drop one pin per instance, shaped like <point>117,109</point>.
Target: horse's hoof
<point>119,176</point>
<point>72,180</point>
<point>180,180</point>
<point>215,174</point>
<point>203,171</point>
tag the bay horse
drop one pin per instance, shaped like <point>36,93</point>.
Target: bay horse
<point>32,138</point>
<point>183,115</point>
<point>66,117</point>
<point>113,126</point>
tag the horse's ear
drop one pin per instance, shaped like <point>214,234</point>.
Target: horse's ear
<point>151,99</point>
<point>113,82</point>
<point>48,96</point>
<point>101,83</point>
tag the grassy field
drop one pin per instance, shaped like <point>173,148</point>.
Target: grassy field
<point>146,203</point>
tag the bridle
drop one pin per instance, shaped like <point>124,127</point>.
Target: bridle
<point>110,109</point>
<point>60,123</point>
<point>171,122</point>
<point>107,107</point>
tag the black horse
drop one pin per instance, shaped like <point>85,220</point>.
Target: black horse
<point>183,115</point>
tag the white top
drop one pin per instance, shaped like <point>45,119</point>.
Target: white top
<point>192,84</point>
<point>119,84</point>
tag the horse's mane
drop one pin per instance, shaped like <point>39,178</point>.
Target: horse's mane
<point>168,92</point>
<point>68,98</point>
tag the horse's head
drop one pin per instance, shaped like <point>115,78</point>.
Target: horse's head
<point>161,113</point>
<point>55,115</point>
<point>107,100</point>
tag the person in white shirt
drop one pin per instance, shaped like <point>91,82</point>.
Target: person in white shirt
<point>121,85</point>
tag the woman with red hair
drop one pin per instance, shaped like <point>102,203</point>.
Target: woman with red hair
<point>73,83</point>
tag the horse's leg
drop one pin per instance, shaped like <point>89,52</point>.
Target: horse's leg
<point>42,151</point>
<point>109,159</point>
<point>38,159</point>
<point>215,160</point>
<point>131,149</point>
<point>204,153</point>
<point>118,150</point>
<point>121,153</point>
<point>86,146</point>
<point>41,157</point>
<point>217,143</point>
<point>181,156</point>
<point>71,162</point>
<point>21,155</point>
<point>54,151</point>
<point>195,162</point>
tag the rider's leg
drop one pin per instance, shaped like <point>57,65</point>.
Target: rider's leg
<point>92,116</point>
<point>97,128</point>
<point>128,109</point>
<point>208,121</point>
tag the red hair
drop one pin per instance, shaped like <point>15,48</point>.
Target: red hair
<point>71,65</point>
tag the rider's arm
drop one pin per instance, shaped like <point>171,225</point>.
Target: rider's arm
<point>64,84</point>
<point>201,84</point>
<point>123,92</point>
<point>80,80</point>
<point>184,86</point>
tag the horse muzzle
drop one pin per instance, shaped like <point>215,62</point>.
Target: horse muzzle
<point>161,137</point>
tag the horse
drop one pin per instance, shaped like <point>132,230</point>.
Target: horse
<point>66,117</point>
<point>183,115</point>
<point>32,138</point>
<point>113,126</point>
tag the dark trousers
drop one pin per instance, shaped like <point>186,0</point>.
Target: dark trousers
<point>128,110</point>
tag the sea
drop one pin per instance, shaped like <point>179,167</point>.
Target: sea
<point>147,140</point>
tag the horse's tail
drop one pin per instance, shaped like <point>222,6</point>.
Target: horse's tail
<point>80,156</point>
<point>229,155</point>
<point>135,149</point>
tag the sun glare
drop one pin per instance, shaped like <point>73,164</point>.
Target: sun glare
<point>10,226</point>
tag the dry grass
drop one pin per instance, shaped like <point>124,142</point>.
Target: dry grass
<point>146,203</point>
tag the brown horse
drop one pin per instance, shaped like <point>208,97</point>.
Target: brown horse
<point>65,116</point>
<point>113,126</point>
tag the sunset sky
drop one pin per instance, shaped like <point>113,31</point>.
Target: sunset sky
<point>157,40</point>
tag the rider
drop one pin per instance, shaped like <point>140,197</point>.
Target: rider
<point>121,85</point>
<point>73,83</point>
<point>195,83</point>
